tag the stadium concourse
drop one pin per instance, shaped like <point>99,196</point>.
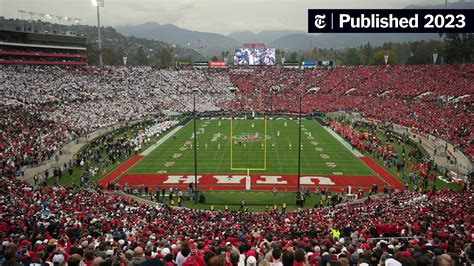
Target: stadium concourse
<point>42,108</point>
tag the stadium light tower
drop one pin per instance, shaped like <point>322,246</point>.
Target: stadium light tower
<point>59,23</point>
<point>32,21</point>
<point>49,17</point>
<point>22,14</point>
<point>310,90</point>
<point>435,56</point>
<point>77,20</point>
<point>41,16</point>
<point>195,90</point>
<point>99,4</point>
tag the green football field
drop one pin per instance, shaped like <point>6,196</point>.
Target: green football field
<point>262,146</point>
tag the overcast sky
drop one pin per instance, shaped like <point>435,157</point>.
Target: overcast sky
<point>220,16</point>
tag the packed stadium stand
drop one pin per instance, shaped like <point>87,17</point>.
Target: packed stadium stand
<point>44,107</point>
<point>58,225</point>
<point>99,165</point>
<point>33,48</point>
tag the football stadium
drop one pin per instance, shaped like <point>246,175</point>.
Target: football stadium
<point>191,142</point>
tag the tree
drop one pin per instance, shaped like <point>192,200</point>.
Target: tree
<point>459,47</point>
<point>293,56</point>
<point>368,52</point>
<point>120,53</point>
<point>92,54</point>
<point>422,52</point>
<point>379,58</point>
<point>112,56</point>
<point>165,56</point>
<point>402,50</point>
<point>351,57</point>
<point>141,57</point>
<point>214,59</point>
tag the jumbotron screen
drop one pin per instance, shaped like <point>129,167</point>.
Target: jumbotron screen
<point>254,56</point>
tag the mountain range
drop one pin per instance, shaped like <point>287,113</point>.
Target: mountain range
<point>210,44</point>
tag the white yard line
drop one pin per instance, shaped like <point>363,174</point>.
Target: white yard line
<point>343,142</point>
<point>161,141</point>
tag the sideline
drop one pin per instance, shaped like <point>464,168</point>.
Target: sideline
<point>161,205</point>
<point>343,142</point>
<point>69,150</point>
<point>160,141</point>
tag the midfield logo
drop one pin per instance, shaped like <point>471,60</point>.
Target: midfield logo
<point>250,137</point>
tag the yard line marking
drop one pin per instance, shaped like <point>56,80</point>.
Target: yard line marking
<point>343,142</point>
<point>161,141</point>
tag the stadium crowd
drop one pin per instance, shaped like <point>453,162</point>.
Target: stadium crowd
<point>63,226</point>
<point>429,99</point>
<point>416,168</point>
<point>432,99</point>
<point>108,150</point>
<point>54,105</point>
<point>44,107</point>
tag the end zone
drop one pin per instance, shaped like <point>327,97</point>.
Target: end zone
<point>259,182</point>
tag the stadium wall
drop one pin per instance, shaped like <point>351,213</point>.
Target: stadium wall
<point>321,122</point>
<point>67,151</point>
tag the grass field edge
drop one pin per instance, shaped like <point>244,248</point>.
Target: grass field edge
<point>381,172</point>
<point>161,141</point>
<point>120,170</point>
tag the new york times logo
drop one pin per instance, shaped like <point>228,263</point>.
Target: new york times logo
<point>319,21</point>
<point>391,21</point>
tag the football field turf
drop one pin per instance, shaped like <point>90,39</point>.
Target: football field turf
<point>263,146</point>
<point>256,154</point>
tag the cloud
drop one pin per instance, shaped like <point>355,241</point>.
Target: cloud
<point>220,16</point>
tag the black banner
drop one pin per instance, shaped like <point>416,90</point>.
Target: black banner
<point>291,63</point>
<point>390,20</point>
<point>201,63</point>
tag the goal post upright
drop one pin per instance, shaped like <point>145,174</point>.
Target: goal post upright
<point>230,141</point>
<point>265,143</point>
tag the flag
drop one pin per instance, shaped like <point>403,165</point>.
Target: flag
<point>335,233</point>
